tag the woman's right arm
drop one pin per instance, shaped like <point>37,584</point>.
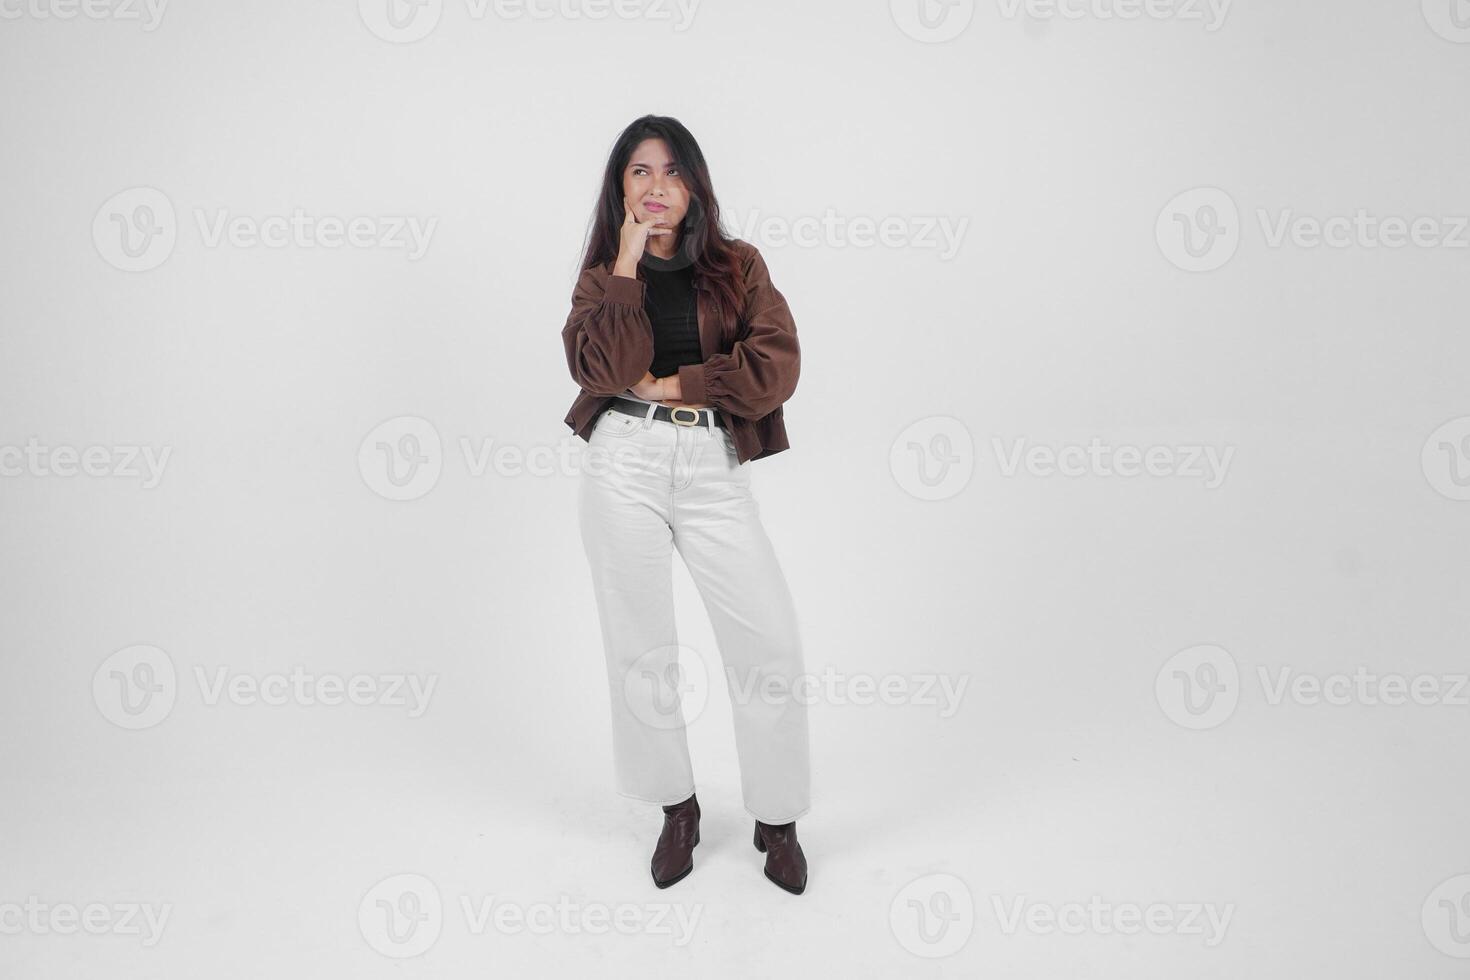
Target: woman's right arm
<point>608,336</point>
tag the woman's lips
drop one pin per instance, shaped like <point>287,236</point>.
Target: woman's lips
<point>656,207</point>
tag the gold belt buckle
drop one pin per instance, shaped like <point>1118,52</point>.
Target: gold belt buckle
<point>693,412</point>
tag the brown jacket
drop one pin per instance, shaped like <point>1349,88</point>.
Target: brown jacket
<point>749,370</point>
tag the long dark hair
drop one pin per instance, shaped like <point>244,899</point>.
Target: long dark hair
<point>702,243</point>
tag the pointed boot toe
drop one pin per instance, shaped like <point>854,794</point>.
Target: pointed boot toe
<point>673,856</point>
<point>785,862</point>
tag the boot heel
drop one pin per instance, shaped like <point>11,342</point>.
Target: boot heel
<point>760,845</point>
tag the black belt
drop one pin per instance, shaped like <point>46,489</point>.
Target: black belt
<point>678,416</point>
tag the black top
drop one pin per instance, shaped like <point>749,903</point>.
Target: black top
<point>670,302</point>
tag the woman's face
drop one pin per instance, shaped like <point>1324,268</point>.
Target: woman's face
<point>652,178</point>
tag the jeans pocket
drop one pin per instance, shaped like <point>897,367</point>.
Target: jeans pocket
<point>615,425</point>
<point>741,471</point>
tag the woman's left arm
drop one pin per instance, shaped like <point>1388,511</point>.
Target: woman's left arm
<point>760,372</point>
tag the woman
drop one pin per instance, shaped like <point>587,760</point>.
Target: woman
<point>685,353</point>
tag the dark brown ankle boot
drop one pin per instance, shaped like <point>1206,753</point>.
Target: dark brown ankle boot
<point>785,864</point>
<point>673,858</point>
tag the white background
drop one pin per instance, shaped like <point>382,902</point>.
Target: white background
<point>1334,541</point>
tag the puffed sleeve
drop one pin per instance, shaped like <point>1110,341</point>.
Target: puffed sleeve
<point>608,336</point>
<point>760,372</point>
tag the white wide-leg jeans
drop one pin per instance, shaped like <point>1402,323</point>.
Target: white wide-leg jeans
<point>648,486</point>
